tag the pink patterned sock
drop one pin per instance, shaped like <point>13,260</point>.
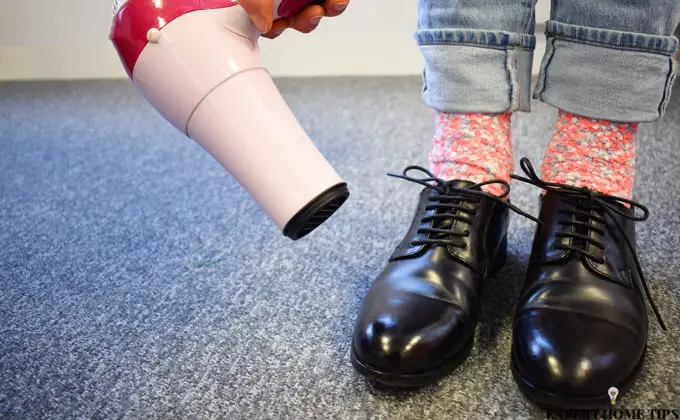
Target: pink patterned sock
<point>473,147</point>
<point>594,154</point>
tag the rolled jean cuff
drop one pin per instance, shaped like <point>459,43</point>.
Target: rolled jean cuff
<point>605,74</point>
<point>476,71</point>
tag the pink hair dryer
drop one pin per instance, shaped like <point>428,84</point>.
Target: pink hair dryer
<point>197,63</point>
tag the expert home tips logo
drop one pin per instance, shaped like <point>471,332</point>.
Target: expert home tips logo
<point>616,413</point>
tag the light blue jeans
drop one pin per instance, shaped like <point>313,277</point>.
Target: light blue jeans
<point>609,59</point>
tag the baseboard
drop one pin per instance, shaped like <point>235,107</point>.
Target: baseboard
<point>284,58</point>
<point>58,62</point>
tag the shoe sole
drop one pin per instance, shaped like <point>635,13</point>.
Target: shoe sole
<point>551,401</point>
<point>417,380</point>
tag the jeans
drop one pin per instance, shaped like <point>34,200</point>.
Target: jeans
<point>608,59</point>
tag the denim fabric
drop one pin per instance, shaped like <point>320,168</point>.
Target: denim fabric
<point>610,59</point>
<point>478,54</point>
<point>624,50</point>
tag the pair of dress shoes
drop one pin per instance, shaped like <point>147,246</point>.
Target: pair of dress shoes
<point>580,324</point>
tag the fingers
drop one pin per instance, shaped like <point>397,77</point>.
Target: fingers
<point>261,12</point>
<point>307,20</point>
<point>278,27</point>
<point>334,7</point>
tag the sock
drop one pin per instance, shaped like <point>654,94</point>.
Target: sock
<point>595,154</point>
<point>473,147</point>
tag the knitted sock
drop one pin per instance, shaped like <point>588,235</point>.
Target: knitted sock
<point>473,147</point>
<point>595,154</point>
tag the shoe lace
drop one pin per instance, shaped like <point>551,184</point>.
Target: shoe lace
<point>587,205</point>
<point>449,203</point>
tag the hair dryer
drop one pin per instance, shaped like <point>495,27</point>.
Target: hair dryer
<point>197,63</point>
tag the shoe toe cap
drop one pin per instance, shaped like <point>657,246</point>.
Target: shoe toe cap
<point>572,354</point>
<point>391,343</point>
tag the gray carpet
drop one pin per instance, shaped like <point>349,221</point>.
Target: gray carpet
<point>137,280</point>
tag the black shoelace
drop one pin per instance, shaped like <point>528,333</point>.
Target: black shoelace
<point>585,204</point>
<point>449,203</point>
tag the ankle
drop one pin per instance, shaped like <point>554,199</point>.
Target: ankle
<point>592,153</point>
<point>473,147</point>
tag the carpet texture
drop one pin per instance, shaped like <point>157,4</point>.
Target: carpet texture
<point>138,280</point>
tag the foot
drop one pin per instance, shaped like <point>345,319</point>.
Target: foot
<point>417,321</point>
<point>581,323</point>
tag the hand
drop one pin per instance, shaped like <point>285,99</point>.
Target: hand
<point>261,12</point>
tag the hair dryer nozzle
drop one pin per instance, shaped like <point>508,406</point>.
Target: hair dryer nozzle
<point>316,212</point>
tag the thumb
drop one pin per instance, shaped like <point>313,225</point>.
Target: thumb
<point>261,12</point>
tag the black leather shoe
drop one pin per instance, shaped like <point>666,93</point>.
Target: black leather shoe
<point>417,321</point>
<point>580,325</point>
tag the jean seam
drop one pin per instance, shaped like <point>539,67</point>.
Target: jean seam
<point>668,88</point>
<point>474,44</point>
<point>528,17</point>
<point>543,74</point>
<point>615,39</point>
<point>480,37</point>
<point>423,88</point>
<point>513,79</point>
<point>609,46</point>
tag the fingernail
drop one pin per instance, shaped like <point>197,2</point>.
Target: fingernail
<point>340,7</point>
<point>315,20</point>
<point>261,24</point>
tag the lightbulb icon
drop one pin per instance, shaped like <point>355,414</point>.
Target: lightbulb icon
<point>613,393</point>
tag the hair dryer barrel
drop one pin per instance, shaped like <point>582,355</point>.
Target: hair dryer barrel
<point>259,141</point>
<point>201,70</point>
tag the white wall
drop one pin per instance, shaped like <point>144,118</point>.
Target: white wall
<point>68,39</point>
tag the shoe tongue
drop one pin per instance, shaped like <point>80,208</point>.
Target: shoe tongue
<point>460,184</point>
<point>450,188</point>
<point>579,229</point>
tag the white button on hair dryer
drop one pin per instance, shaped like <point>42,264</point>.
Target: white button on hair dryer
<point>197,62</point>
